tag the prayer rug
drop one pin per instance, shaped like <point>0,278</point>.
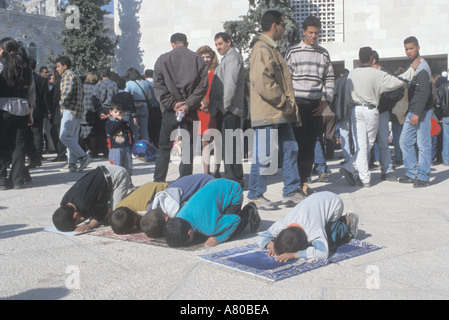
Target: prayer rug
<point>139,237</point>
<point>251,259</point>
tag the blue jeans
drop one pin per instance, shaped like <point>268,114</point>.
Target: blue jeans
<point>263,162</point>
<point>397,130</point>
<point>445,153</point>
<point>420,135</point>
<point>69,136</point>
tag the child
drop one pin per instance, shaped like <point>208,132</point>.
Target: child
<point>309,229</point>
<point>128,213</point>
<point>119,137</point>
<point>213,211</point>
<point>167,203</point>
<point>91,197</point>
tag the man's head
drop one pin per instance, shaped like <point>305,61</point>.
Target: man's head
<point>178,232</point>
<point>290,240</point>
<point>223,42</point>
<point>43,72</point>
<point>63,64</point>
<point>273,24</point>
<point>311,28</point>
<point>179,39</point>
<point>376,60</point>
<point>366,55</point>
<point>153,223</point>
<point>412,48</point>
<point>66,218</point>
<point>123,220</point>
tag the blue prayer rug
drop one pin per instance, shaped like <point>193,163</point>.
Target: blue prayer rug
<point>251,259</point>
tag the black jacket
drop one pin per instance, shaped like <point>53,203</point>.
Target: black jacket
<point>442,101</point>
<point>42,96</point>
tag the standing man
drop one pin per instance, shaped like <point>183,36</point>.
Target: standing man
<point>226,104</point>
<point>273,110</point>
<point>417,125</point>
<point>343,115</point>
<point>364,87</point>
<point>313,82</point>
<point>180,84</point>
<point>442,106</point>
<point>71,103</point>
<point>386,104</point>
<point>35,140</point>
<point>105,90</point>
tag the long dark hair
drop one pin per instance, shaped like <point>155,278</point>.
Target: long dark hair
<point>16,64</point>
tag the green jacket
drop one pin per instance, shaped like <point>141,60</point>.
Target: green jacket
<point>271,88</point>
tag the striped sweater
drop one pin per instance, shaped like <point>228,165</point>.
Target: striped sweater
<point>312,72</point>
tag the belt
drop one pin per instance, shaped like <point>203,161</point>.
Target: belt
<point>367,105</point>
<point>107,176</point>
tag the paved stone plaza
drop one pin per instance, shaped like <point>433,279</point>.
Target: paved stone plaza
<point>411,224</point>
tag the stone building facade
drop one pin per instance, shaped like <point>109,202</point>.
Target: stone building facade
<point>348,26</point>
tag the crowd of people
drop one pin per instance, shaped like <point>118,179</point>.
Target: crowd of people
<point>293,101</point>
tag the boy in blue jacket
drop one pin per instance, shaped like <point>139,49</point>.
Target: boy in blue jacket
<point>214,211</point>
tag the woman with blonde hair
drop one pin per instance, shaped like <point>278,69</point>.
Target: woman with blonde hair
<point>210,57</point>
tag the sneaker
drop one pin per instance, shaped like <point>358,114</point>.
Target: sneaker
<point>388,177</point>
<point>263,203</point>
<point>323,177</point>
<point>418,183</point>
<point>293,200</point>
<point>348,176</point>
<point>353,224</point>
<point>84,162</point>
<point>406,179</point>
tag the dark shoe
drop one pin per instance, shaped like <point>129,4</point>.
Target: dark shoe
<point>406,179</point>
<point>305,189</point>
<point>420,183</point>
<point>217,175</point>
<point>362,184</point>
<point>254,219</point>
<point>84,162</point>
<point>293,200</point>
<point>388,177</point>
<point>34,164</point>
<point>348,176</point>
<point>263,203</point>
<point>323,177</point>
<point>353,224</point>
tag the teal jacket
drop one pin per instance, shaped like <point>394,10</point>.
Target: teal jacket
<point>214,209</point>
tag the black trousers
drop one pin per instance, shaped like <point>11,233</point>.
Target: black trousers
<point>13,133</point>
<point>234,170</point>
<point>306,136</point>
<point>168,126</point>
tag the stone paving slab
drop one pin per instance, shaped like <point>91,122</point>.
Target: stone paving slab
<point>411,224</point>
